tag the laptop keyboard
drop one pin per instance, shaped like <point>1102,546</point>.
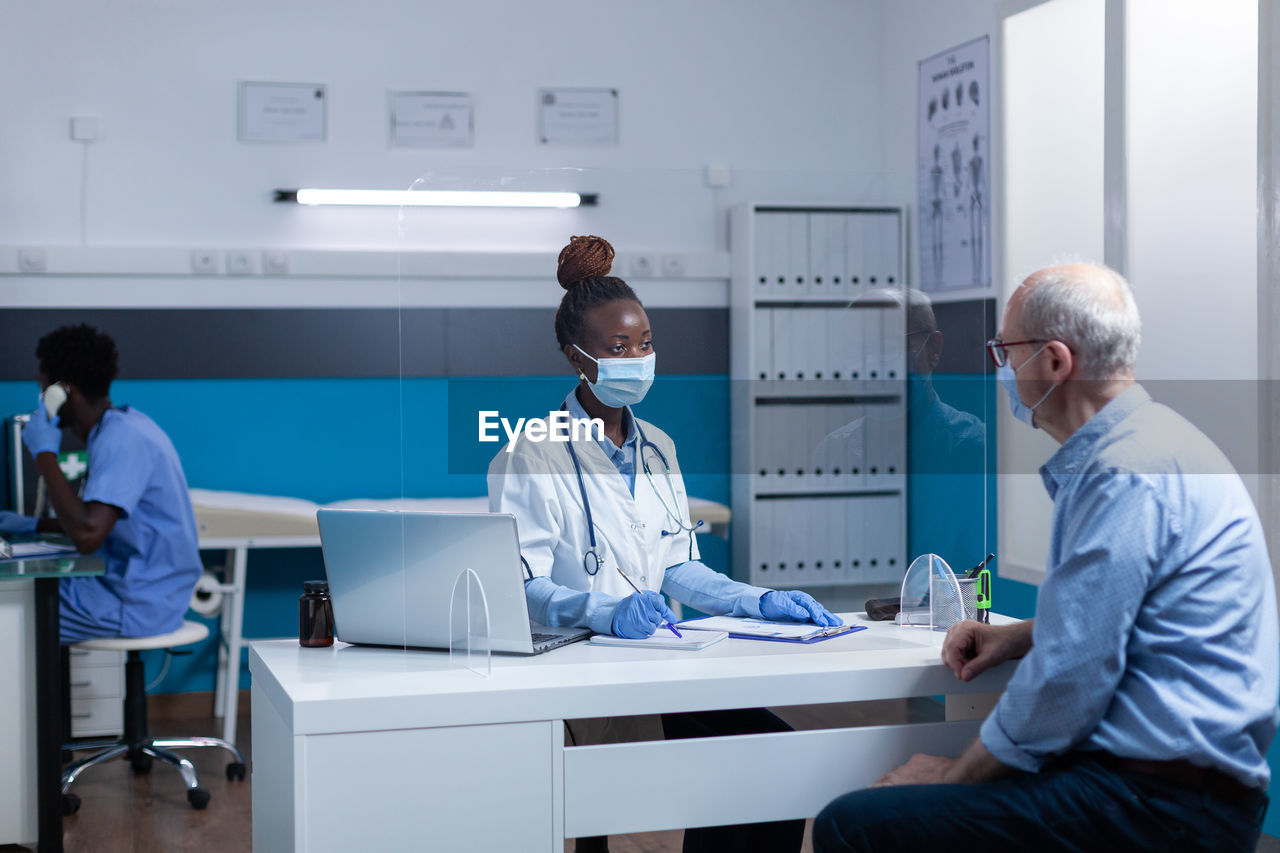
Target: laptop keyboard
<point>545,638</point>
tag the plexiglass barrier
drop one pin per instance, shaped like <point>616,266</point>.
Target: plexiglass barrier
<point>469,638</point>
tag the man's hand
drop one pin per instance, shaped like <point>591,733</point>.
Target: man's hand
<point>920,770</point>
<point>972,648</point>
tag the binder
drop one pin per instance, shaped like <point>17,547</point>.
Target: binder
<point>764,266</point>
<point>798,255</point>
<point>798,345</point>
<point>819,256</point>
<point>874,251</point>
<point>781,318</point>
<point>762,345</point>
<point>762,536</point>
<point>892,257</point>
<point>837,261</point>
<point>854,254</point>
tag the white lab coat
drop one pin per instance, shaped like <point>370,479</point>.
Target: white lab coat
<point>536,483</point>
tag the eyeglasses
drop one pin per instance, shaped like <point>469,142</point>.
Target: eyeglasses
<point>996,349</point>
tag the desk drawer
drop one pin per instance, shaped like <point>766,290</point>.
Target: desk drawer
<point>96,717</point>
<point>96,657</point>
<point>97,682</point>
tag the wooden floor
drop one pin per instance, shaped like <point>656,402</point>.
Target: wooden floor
<point>123,813</point>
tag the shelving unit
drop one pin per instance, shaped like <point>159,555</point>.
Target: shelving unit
<point>818,331</point>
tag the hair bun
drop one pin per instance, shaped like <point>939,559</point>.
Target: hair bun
<point>584,257</point>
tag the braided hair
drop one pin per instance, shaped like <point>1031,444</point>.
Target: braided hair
<point>80,355</point>
<point>583,271</point>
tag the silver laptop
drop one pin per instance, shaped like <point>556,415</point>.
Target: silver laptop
<point>392,575</point>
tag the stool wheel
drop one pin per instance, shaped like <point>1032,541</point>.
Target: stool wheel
<point>235,770</point>
<point>198,797</point>
<point>70,804</point>
<point>141,765</point>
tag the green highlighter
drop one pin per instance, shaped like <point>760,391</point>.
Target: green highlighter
<point>984,596</point>
<point>983,574</point>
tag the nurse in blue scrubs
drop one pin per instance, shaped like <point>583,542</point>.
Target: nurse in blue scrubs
<point>135,507</point>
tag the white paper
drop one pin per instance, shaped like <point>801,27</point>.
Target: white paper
<point>282,112</point>
<point>578,116</point>
<point>431,120</point>
<point>39,549</point>
<point>754,627</point>
<point>953,168</point>
<point>664,639</point>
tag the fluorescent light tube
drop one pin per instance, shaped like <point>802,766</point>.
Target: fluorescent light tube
<point>436,198</point>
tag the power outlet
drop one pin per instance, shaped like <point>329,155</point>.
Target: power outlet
<point>240,263</point>
<point>718,175</point>
<point>275,263</point>
<point>32,260</point>
<point>204,262</point>
<point>673,266</point>
<point>643,266</point>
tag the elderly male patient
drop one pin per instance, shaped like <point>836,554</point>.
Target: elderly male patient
<point>1141,712</point>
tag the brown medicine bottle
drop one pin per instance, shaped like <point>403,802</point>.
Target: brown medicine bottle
<point>315,615</point>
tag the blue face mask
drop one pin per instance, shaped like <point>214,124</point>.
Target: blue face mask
<point>1008,377</point>
<point>621,381</point>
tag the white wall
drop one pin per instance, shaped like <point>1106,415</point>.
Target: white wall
<point>1053,60</point>
<point>1192,73</point>
<point>786,94</point>
<point>1193,210</point>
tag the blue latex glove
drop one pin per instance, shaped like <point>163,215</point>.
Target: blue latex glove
<point>12,522</point>
<point>795,606</point>
<point>41,435</point>
<point>638,615</point>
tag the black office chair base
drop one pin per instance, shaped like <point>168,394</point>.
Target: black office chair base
<point>140,749</point>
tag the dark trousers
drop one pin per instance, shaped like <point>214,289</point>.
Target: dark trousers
<point>1076,804</point>
<point>778,837</point>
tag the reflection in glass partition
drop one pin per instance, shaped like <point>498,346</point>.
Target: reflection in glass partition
<point>947,414</point>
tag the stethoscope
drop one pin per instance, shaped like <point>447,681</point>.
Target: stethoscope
<point>591,561</point>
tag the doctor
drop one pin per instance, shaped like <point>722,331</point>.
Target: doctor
<point>586,508</point>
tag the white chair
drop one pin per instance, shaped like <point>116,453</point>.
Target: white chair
<point>136,745</point>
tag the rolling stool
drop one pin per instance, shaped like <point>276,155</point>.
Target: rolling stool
<point>136,745</point>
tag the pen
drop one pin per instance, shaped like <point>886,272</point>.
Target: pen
<point>637,589</point>
<point>973,573</point>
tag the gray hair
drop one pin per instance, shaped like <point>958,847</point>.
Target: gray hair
<point>1100,323</point>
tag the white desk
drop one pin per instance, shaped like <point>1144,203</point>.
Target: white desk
<point>238,523</point>
<point>361,748</point>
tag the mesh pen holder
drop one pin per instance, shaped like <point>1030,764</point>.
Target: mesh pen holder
<point>953,600</point>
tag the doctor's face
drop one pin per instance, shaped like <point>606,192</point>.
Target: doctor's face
<point>618,329</point>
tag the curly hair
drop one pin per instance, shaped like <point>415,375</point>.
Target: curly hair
<point>81,356</point>
<point>583,271</point>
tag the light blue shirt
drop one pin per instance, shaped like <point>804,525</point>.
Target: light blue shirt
<point>691,582</point>
<point>1155,634</point>
<point>624,457</point>
<point>152,560</point>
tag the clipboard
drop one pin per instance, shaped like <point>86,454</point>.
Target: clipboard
<point>824,634</point>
